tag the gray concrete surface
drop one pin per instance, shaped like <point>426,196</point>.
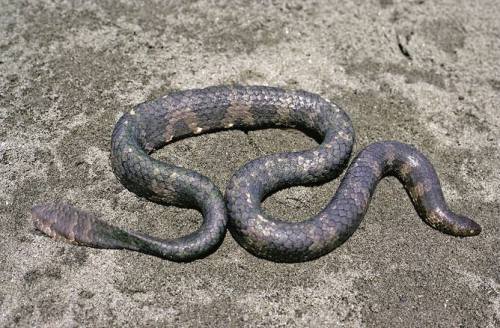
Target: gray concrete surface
<point>422,72</point>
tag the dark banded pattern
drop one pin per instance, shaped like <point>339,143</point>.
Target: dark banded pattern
<point>153,124</point>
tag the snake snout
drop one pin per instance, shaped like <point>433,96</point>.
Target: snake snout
<point>453,224</point>
<point>466,227</point>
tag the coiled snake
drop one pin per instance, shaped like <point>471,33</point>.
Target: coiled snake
<point>151,125</point>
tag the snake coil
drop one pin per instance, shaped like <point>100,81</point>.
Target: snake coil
<point>151,125</point>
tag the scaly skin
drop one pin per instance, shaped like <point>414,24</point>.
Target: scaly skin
<point>153,124</point>
<point>306,240</point>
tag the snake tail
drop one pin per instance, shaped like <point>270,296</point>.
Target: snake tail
<point>67,223</point>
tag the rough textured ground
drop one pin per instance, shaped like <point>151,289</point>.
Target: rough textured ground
<point>414,71</point>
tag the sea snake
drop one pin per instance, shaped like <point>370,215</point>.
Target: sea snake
<point>152,125</point>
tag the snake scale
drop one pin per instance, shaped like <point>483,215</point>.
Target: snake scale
<point>152,125</point>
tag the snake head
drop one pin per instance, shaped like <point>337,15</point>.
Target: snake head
<point>452,224</point>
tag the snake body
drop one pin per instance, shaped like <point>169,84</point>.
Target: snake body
<point>152,125</point>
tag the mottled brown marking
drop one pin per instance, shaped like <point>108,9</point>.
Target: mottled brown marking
<point>376,169</point>
<point>169,134</point>
<point>191,120</point>
<point>435,218</point>
<point>87,229</point>
<point>57,230</point>
<point>72,224</point>
<point>283,114</point>
<point>390,154</point>
<point>237,112</point>
<point>344,136</point>
<point>405,170</point>
<point>427,185</point>
<point>155,187</point>
<point>45,226</point>
<point>188,116</point>
<point>318,242</point>
<point>417,191</point>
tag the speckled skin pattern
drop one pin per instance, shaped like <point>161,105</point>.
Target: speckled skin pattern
<point>153,124</point>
